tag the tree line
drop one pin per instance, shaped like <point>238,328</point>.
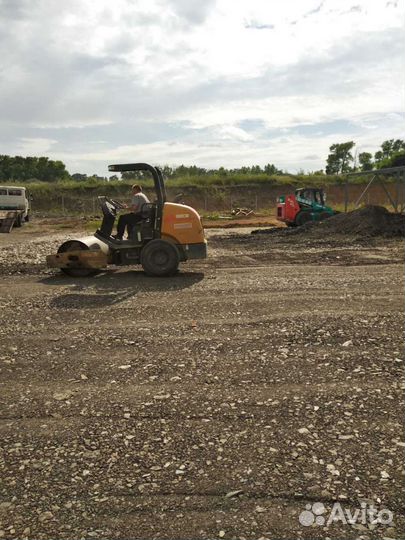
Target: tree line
<point>341,159</point>
<point>28,168</point>
<point>24,169</point>
<point>192,170</point>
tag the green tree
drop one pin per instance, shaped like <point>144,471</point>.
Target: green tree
<point>365,160</point>
<point>184,170</point>
<point>390,150</point>
<point>79,177</point>
<point>339,158</point>
<point>398,160</point>
<point>26,168</point>
<point>132,175</point>
<point>167,171</point>
<point>271,169</point>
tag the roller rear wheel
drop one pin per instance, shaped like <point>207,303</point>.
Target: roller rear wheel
<point>160,258</point>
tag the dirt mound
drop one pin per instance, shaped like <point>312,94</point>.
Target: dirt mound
<point>367,221</point>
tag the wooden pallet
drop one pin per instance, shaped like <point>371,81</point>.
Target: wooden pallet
<point>7,220</point>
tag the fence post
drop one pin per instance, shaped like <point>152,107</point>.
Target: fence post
<point>346,194</point>
<point>401,192</point>
<point>397,184</point>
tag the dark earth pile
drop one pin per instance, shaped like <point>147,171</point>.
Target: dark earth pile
<point>370,221</point>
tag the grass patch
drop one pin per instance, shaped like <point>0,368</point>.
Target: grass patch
<point>93,224</point>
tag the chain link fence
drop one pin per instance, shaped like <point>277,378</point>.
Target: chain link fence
<point>226,198</point>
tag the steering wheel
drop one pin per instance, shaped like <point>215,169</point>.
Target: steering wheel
<point>117,205</point>
<point>110,203</point>
<point>109,207</point>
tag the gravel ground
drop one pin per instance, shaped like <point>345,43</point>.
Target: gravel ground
<point>221,403</point>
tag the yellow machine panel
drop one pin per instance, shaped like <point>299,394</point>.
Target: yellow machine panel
<point>182,224</point>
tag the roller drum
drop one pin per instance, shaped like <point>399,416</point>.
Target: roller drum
<point>90,243</point>
<point>87,242</point>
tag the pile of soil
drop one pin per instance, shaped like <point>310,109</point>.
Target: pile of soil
<point>370,221</point>
<point>367,221</point>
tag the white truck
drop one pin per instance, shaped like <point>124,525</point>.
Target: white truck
<point>14,207</point>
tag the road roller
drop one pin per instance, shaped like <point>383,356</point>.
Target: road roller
<point>167,234</point>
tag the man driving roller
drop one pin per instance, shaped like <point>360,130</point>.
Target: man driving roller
<point>134,216</point>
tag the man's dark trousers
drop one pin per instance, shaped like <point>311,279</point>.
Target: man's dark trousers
<point>127,220</point>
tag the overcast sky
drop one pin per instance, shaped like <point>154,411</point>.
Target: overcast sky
<point>204,82</point>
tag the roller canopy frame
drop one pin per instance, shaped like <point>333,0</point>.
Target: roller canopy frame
<point>156,174</point>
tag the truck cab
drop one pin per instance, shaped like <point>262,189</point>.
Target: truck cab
<point>15,198</point>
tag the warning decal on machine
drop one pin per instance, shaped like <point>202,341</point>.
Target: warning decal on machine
<point>182,225</point>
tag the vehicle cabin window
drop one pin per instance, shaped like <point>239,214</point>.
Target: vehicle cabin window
<point>3,192</point>
<point>15,192</point>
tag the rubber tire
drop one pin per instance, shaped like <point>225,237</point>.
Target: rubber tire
<point>324,215</point>
<point>18,222</point>
<point>79,272</point>
<point>27,218</point>
<point>160,258</point>
<point>302,218</point>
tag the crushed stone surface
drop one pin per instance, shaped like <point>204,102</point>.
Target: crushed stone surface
<point>219,403</point>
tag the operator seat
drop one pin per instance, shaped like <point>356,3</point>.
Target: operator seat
<point>148,211</point>
<point>145,228</point>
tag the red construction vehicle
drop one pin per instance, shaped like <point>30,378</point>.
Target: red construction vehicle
<point>306,204</point>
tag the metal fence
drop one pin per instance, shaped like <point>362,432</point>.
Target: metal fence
<point>394,192</point>
<point>344,196</point>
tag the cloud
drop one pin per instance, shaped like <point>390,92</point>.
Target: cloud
<point>196,81</point>
<point>14,9</point>
<point>34,146</point>
<point>234,133</point>
<point>259,26</point>
<point>193,11</point>
<point>317,9</point>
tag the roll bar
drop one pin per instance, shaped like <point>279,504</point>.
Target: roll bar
<point>156,174</point>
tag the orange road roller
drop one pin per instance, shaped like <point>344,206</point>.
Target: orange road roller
<point>165,234</point>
